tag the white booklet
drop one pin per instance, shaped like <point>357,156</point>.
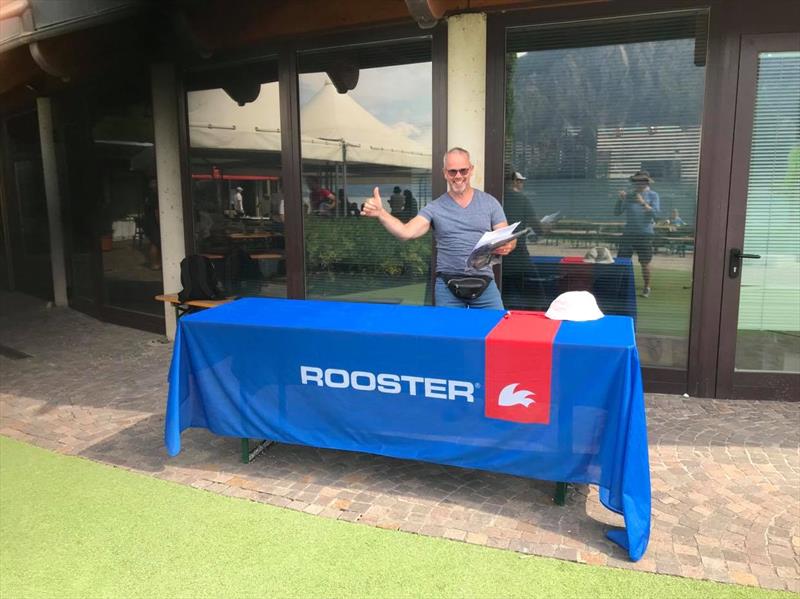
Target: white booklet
<point>491,240</point>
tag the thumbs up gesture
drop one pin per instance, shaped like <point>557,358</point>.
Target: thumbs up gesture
<point>373,206</point>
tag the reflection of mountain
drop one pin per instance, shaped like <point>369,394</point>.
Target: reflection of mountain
<point>216,121</point>
<point>570,109</point>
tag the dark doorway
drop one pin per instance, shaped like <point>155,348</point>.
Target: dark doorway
<point>26,252</point>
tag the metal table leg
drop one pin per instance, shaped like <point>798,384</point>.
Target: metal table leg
<point>249,455</point>
<point>560,497</point>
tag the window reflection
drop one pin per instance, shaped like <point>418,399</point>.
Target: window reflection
<point>125,196</point>
<point>377,134</point>
<point>237,195</point>
<point>602,153</point>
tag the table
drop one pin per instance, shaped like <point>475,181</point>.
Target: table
<point>613,285</point>
<point>512,392</point>
<point>188,306</point>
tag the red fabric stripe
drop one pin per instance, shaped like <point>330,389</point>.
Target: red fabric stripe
<point>519,365</point>
<point>571,260</point>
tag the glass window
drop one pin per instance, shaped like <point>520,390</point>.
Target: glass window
<point>365,122</point>
<point>28,182</point>
<point>237,190</point>
<point>76,180</point>
<point>602,147</point>
<point>125,191</point>
<point>768,332</point>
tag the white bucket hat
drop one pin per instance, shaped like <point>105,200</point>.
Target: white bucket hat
<point>579,306</point>
<point>604,256</point>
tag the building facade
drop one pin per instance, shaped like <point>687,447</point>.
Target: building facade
<point>133,137</point>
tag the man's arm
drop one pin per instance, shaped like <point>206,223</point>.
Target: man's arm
<point>655,204</point>
<point>416,227</point>
<point>619,207</point>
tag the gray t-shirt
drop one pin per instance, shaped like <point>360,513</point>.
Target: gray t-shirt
<point>458,229</point>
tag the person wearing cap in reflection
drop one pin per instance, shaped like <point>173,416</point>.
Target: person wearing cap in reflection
<point>641,206</point>
<point>458,218</point>
<point>518,208</point>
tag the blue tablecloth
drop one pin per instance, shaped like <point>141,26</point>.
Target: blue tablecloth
<point>408,382</point>
<point>612,285</point>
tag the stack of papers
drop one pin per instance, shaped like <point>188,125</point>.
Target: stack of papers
<point>482,256</point>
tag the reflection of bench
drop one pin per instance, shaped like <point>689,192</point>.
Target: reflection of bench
<point>182,308</point>
<point>676,245</point>
<point>266,256</point>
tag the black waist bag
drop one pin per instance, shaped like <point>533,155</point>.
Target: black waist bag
<point>466,287</point>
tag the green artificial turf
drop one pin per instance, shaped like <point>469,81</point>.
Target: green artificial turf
<point>74,528</point>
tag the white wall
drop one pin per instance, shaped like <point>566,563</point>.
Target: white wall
<point>168,171</point>
<point>466,88</point>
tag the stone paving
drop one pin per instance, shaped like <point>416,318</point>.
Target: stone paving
<point>725,474</point>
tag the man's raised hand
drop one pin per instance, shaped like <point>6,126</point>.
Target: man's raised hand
<point>373,206</point>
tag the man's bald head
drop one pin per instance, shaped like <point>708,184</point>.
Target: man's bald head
<point>455,150</point>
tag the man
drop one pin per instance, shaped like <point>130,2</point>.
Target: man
<point>397,200</point>
<point>237,201</point>
<point>641,207</point>
<point>519,208</point>
<point>459,218</point>
<point>321,199</point>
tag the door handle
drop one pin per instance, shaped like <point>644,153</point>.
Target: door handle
<point>735,261</point>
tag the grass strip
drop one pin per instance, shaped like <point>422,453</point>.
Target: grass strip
<point>70,527</point>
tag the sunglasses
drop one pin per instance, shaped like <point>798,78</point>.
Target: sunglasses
<point>452,172</point>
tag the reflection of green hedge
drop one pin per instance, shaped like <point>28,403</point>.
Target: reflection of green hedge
<point>357,244</point>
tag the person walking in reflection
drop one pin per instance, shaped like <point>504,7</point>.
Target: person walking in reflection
<point>641,206</point>
<point>151,225</point>
<point>459,218</point>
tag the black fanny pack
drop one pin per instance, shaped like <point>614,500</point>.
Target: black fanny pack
<point>466,287</point>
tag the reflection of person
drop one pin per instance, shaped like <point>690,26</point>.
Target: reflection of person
<point>150,224</point>
<point>322,200</point>
<point>410,209</point>
<point>277,208</point>
<point>675,219</point>
<point>343,203</point>
<point>396,201</point>
<point>237,201</point>
<point>203,225</point>
<point>640,206</point>
<point>459,218</point>
<point>518,208</point>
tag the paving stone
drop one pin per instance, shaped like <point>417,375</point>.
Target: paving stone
<point>725,474</point>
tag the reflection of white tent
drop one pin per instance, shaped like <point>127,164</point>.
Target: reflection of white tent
<point>331,115</point>
<point>328,120</point>
<point>216,121</point>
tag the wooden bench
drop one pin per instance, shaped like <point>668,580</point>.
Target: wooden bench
<point>182,308</point>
